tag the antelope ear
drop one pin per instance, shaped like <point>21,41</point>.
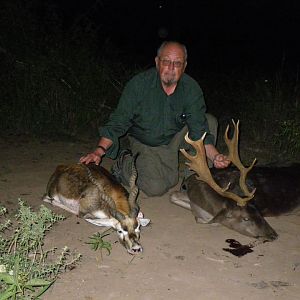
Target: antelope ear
<point>140,215</point>
<point>143,221</point>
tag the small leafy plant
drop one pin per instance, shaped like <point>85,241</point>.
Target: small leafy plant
<point>288,136</point>
<point>97,242</point>
<point>27,270</point>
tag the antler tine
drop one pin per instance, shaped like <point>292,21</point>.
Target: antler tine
<point>198,163</point>
<point>233,155</point>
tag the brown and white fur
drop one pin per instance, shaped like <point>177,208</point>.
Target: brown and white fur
<point>92,193</point>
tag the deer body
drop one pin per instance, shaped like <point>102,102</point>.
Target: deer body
<point>92,193</point>
<point>278,189</point>
<point>277,193</point>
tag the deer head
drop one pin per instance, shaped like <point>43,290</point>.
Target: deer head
<point>198,163</point>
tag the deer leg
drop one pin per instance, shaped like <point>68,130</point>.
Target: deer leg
<point>181,199</point>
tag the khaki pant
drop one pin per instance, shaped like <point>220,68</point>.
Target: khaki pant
<point>157,167</point>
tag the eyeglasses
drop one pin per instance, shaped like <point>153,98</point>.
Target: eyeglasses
<point>168,62</point>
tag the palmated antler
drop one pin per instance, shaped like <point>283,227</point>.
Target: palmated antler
<point>235,158</point>
<point>133,192</point>
<point>198,163</point>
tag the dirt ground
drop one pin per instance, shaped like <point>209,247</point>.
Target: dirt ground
<point>181,259</point>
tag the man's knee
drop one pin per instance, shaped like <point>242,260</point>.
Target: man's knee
<point>154,188</point>
<point>212,121</point>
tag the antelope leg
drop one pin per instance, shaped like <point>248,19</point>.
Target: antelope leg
<point>73,206</point>
<point>103,222</point>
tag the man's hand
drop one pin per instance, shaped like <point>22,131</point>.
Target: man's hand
<point>221,161</point>
<point>93,157</point>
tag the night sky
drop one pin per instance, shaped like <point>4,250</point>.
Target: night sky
<point>247,32</point>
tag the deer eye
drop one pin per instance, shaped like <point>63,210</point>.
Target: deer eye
<point>246,219</point>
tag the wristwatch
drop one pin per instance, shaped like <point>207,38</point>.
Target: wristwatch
<point>103,149</point>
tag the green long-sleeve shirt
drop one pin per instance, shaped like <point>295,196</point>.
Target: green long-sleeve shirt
<point>148,114</point>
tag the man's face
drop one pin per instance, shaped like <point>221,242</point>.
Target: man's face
<point>170,64</point>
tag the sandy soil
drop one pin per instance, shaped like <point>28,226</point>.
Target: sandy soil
<point>181,259</point>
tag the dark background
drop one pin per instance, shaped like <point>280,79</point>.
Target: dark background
<point>64,63</point>
<point>218,34</point>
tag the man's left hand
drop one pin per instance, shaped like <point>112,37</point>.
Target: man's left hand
<point>221,161</point>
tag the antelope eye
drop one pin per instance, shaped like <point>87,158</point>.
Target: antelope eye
<point>120,231</point>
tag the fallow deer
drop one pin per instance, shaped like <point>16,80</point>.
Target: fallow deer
<point>266,191</point>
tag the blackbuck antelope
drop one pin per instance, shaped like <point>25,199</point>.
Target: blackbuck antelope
<point>234,197</point>
<point>91,192</point>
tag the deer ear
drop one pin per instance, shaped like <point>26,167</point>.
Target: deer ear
<point>219,217</point>
<point>204,217</point>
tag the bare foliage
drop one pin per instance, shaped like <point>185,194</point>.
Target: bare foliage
<point>26,268</point>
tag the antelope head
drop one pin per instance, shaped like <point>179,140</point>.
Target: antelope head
<point>128,226</point>
<point>198,163</point>
<point>128,230</point>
